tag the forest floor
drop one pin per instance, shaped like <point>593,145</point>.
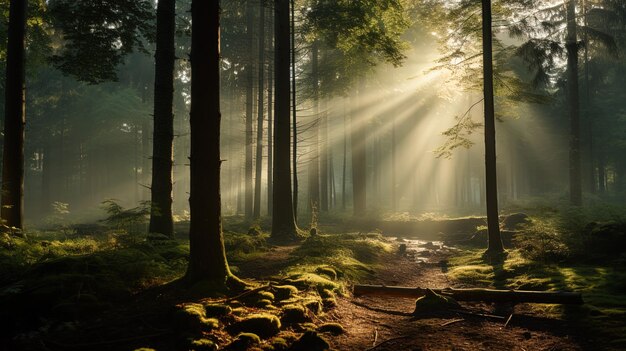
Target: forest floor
<point>70,295</point>
<point>385,323</point>
<point>372,323</point>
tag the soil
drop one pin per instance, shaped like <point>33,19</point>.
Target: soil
<point>374,323</point>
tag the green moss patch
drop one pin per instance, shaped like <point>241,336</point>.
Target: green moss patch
<point>293,314</point>
<point>311,280</point>
<point>192,317</point>
<point>244,341</point>
<point>310,341</point>
<point>203,345</point>
<point>332,328</point>
<point>284,292</point>
<point>264,325</point>
<point>217,310</point>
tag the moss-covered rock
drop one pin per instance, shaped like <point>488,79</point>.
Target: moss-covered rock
<point>305,327</point>
<point>279,344</point>
<point>264,325</point>
<point>329,302</point>
<point>294,314</point>
<point>192,317</point>
<point>263,303</point>
<point>314,305</point>
<point>332,328</point>
<point>312,280</point>
<point>284,292</point>
<point>258,299</point>
<point>325,293</point>
<point>203,345</point>
<point>433,302</point>
<point>244,341</point>
<point>327,271</point>
<point>217,310</point>
<point>310,341</point>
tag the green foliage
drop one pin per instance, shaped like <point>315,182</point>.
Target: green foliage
<point>602,286</point>
<point>130,222</point>
<point>98,34</point>
<point>354,36</point>
<point>541,240</point>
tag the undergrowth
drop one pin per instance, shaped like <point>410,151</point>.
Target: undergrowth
<point>563,249</point>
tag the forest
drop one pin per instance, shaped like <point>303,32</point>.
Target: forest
<point>312,175</point>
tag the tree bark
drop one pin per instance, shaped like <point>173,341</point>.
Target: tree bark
<point>260,114</point>
<point>491,181</point>
<point>314,165</point>
<point>249,195</point>
<point>270,124</point>
<point>489,295</point>
<point>323,156</point>
<point>294,110</point>
<point>344,162</point>
<point>394,172</point>
<point>161,220</point>
<point>12,202</point>
<point>283,221</point>
<point>359,164</point>
<point>207,257</point>
<point>573,106</point>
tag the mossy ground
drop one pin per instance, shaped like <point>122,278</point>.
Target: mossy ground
<point>603,288</point>
<point>73,289</point>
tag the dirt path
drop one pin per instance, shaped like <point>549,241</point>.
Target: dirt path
<point>366,327</point>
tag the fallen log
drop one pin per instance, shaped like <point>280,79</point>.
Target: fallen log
<point>487,295</point>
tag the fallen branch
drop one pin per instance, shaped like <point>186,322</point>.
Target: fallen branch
<point>508,320</point>
<point>488,295</point>
<point>386,341</point>
<point>476,314</point>
<point>452,322</point>
<point>375,337</point>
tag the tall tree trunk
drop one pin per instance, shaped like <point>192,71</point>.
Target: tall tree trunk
<point>283,221</point>
<point>359,163</point>
<point>270,123</point>
<point>491,180</point>
<point>324,158</point>
<point>294,110</point>
<point>573,106</point>
<point>591,169</point>
<point>314,165</point>
<point>145,151</point>
<point>136,142</point>
<point>344,162</point>
<point>161,220</point>
<point>46,176</point>
<point>12,211</point>
<point>207,257</point>
<point>601,174</point>
<point>394,173</point>
<point>260,115</point>
<point>248,208</point>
